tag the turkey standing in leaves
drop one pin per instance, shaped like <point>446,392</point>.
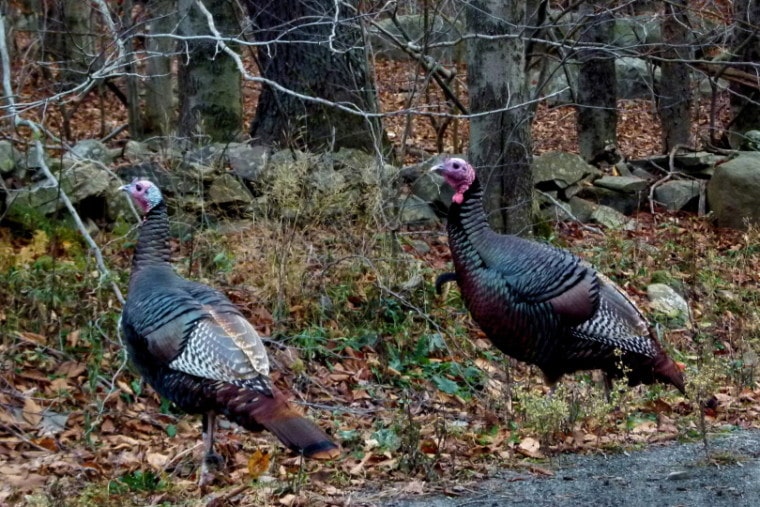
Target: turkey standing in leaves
<point>194,347</point>
<point>543,305</point>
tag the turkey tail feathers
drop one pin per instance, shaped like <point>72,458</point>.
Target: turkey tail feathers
<point>442,280</point>
<point>302,435</point>
<point>254,410</point>
<point>666,370</point>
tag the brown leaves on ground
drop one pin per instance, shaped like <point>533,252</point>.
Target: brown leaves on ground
<point>398,430</point>
<point>79,428</point>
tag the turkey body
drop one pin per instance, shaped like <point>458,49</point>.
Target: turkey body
<point>195,348</point>
<point>543,305</point>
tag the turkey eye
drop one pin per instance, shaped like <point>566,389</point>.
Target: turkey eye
<point>138,187</point>
<point>456,165</point>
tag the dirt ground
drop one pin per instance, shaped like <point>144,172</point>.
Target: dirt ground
<point>668,475</point>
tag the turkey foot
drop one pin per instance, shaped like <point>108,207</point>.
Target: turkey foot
<point>212,462</point>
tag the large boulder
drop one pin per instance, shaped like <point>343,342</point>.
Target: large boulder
<point>148,170</point>
<point>247,162</point>
<point>676,194</point>
<point>700,164</point>
<point>91,149</point>
<point>9,158</point>
<point>411,211</point>
<point>79,182</point>
<point>589,212</point>
<point>624,202</point>
<point>751,140</point>
<point>636,30</point>
<point>203,164</point>
<point>430,188</point>
<point>556,170</point>
<point>636,78</point>
<point>733,193</point>
<point>227,189</point>
<point>626,184</point>
<point>322,188</point>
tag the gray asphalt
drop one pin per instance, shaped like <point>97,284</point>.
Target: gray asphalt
<point>671,475</point>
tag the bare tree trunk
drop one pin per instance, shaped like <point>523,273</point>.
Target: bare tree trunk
<point>674,94</point>
<point>134,109</point>
<point>745,42</point>
<point>209,81</point>
<point>597,84</point>
<point>69,38</point>
<point>500,140</point>
<point>159,94</point>
<point>308,53</point>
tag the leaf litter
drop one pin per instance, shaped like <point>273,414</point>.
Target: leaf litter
<point>78,431</point>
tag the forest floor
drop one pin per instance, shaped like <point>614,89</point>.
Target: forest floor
<point>419,400</point>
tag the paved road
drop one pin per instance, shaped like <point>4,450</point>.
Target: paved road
<point>661,476</point>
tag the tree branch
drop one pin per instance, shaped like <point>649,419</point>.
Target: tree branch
<point>39,151</point>
<point>348,108</point>
<point>441,74</point>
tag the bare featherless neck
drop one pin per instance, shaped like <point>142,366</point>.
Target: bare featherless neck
<point>153,241</point>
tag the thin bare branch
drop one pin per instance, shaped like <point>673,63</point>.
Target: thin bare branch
<point>39,151</point>
<point>346,107</point>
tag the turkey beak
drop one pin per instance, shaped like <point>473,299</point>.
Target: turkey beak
<point>437,169</point>
<point>125,188</point>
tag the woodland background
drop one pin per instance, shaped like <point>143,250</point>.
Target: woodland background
<point>405,381</point>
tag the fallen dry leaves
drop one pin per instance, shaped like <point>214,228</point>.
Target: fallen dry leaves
<point>58,426</point>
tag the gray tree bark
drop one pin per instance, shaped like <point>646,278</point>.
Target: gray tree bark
<point>745,42</point>
<point>134,107</point>
<point>209,82</point>
<point>68,40</point>
<point>674,91</point>
<point>160,104</point>
<point>500,139</point>
<point>72,41</point>
<point>313,56</point>
<point>597,88</point>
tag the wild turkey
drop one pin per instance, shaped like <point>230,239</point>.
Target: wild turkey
<point>195,348</point>
<point>543,305</point>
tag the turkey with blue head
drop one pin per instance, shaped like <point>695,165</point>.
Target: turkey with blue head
<point>195,348</point>
<point>543,305</point>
